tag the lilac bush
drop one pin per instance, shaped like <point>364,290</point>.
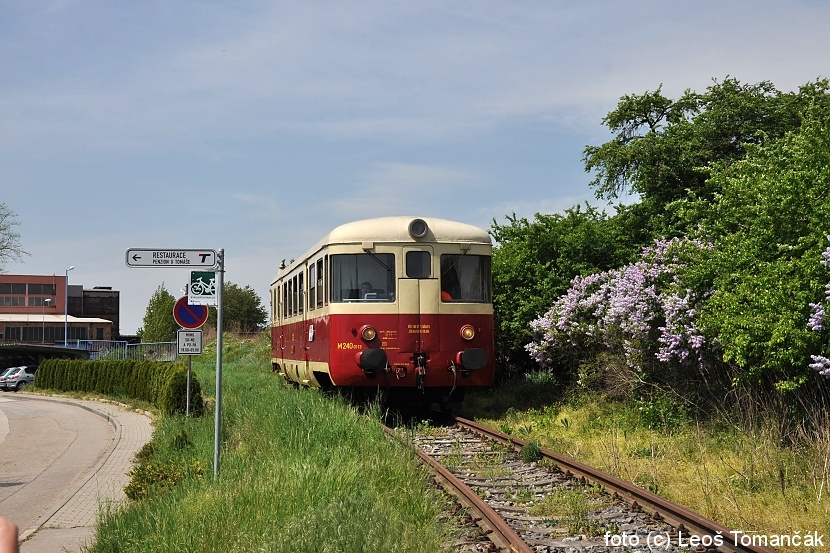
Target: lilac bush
<point>816,321</point>
<point>640,310</point>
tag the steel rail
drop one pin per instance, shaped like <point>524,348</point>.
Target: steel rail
<point>502,534</point>
<point>676,515</point>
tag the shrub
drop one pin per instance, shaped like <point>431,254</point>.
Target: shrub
<point>172,397</point>
<point>530,452</point>
<point>148,476</point>
<point>641,314</point>
<point>159,383</point>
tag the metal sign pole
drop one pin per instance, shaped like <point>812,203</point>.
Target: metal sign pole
<point>217,436</point>
<point>187,405</point>
<point>185,315</point>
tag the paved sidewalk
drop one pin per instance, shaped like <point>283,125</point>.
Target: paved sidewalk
<point>71,522</point>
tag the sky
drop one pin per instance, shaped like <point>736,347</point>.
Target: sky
<point>255,127</point>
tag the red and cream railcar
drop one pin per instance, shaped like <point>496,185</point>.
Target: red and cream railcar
<point>401,304</point>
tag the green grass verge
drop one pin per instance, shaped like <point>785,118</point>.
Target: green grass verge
<point>299,472</point>
<point>303,472</point>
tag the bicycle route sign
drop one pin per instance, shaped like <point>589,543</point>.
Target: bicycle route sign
<point>171,258</point>
<point>189,316</point>
<point>202,288</point>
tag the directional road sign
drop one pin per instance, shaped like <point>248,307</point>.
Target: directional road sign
<point>171,258</point>
<point>189,316</point>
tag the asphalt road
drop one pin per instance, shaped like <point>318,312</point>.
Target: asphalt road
<point>46,448</point>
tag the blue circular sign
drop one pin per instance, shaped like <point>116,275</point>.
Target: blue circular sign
<point>189,316</point>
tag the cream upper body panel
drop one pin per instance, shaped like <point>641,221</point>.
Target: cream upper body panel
<point>399,230</point>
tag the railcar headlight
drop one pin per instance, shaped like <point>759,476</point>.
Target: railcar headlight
<point>368,333</point>
<point>468,332</point>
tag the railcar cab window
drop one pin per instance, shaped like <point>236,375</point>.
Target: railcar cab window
<point>465,278</point>
<point>351,272</point>
<point>418,264</point>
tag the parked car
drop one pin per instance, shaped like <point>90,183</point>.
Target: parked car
<point>20,377</point>
<point>3,373</point>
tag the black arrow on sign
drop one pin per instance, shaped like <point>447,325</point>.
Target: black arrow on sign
<point>136,257</point>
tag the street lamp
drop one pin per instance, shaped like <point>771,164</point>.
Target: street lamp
<point>43,319</point>
<point>66,307</point>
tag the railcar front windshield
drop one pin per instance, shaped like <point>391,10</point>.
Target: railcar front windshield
<point>363,277</point>
<point>465,278</point>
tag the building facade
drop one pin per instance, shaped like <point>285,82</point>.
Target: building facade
<point>41,309</point>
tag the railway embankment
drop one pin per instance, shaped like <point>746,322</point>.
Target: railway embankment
<point>305,472</point>
<point>743,476</point>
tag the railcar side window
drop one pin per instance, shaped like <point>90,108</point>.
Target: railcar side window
<point>465,278</point>
<point>284,300</point>
<point>275,307</point>
<point>312,284</point>
<point>301,291</point>
<point>418,264</point>
<point>292,296</point>
<point>296,298</point>
<point>319,283</point>
<point>363,277</point>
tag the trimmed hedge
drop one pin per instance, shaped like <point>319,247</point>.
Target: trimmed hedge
<point>162,384</point>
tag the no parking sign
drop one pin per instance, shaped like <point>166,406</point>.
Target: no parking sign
<point>189,316</point>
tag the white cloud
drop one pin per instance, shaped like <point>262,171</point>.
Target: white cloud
<point>258,126</point>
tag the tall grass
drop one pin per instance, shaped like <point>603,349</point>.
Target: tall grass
<point>299,472</point>
<point>743,478</point>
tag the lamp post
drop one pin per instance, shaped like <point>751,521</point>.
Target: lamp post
<point>43,320</point>
<point>66,307</point>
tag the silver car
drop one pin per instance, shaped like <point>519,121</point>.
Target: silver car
<point>3,373</point>
<point>18,378</point>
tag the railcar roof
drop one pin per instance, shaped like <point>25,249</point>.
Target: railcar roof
<point>396,229</point>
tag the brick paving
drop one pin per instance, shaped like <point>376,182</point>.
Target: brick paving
<point>72,521</point>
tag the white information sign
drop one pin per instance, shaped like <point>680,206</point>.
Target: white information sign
<point>171,258</point>
<point>190,342</point>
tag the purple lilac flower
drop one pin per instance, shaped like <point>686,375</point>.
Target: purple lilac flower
<point>826,255</point>
<point>816,321</point>
<point>821,364</point>
<point>619,308</point>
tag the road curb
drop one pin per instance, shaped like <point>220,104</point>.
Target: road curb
<point>28,533</point>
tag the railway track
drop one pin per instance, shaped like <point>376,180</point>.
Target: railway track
<point>531,500</point>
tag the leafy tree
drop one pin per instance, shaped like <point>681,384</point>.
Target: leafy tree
<point>534,262</point>
<point>243,309</point>
<point>10,248</point>
<point>769,225</point>
<point>159,325</point>
<point>743,169</point>
<point>664,150</point>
